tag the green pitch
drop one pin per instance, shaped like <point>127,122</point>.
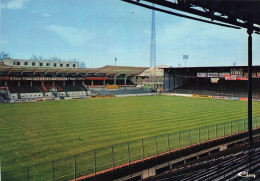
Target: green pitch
<point>35,133</point>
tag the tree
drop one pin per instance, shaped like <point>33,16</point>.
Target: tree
<point>3,55</point>
<point>54,58</point>
<point>82,65</point>
<point>37,58</point>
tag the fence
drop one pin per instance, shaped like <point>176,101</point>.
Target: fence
<point>110,157</point>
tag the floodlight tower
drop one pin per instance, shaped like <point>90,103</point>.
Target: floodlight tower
<point>153,50</point>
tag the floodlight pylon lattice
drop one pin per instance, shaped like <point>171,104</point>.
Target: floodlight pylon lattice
<point>153,50</point>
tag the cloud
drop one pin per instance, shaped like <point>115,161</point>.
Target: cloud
<point>73,35</point>
<point>46,15</point>
<point>15,4</point>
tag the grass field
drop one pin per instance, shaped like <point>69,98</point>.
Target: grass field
<point>34,133</point>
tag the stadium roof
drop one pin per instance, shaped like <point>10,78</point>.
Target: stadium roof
<point>109,70</point>
<point>229,13</point>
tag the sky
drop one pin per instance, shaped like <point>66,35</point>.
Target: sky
<point>97,31</point>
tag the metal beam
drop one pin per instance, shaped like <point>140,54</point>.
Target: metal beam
<point>9,71</point>
<point>180,15</point>
<point>35,71</point>
<point>186,7</point>
<point>250,135</point>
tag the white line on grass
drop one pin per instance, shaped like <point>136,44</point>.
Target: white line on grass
<point>18,126</point>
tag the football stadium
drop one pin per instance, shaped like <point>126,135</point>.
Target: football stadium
<point>62,122</point>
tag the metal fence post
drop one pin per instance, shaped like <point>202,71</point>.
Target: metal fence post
<point>199,135</point>
<point>28,173</point>
<point>112,156</point>
<point>156,150</point>
<point>52,170</point>
<point>215,131</point>
<point>230,127</point>
<point>237,126</point>
<point>223,129</point>
<point>75,168</point>
<point>143,148</point>
<point>244,125</point>
<point>189,137</point>
<point>168,143</point>
<point>95,162</point>
<point>179,139</point>
<point>128,151</point>
<point>207,133</point>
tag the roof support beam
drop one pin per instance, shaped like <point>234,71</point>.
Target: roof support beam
<point>46,71</point>
<point>9,71</point>
<point>58,72</point>
<point>35,71</point>
<point>23,71</point>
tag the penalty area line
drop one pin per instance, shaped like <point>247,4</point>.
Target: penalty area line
<point>19,126</point>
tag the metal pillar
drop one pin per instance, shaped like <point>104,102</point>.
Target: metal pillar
<point>52,170</point>
<point>250,135</point>
<point>142,142</point>
<point>168,143</point>
<point>128,151</point>
<point>95,162</point>
<point>112,156</point>
<point>75,167</point>
<point>28,174</point>
<point>115,80</point>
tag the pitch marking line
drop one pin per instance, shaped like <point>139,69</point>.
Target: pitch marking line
<point>19,126</point>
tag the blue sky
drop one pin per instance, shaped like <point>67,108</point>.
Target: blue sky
<point>97,31</point>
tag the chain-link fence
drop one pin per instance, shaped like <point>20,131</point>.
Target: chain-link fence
<point>110,157</point>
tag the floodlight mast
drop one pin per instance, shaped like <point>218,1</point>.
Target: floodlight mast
<point>153,51</point>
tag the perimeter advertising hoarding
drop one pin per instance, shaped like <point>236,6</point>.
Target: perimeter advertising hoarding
<point>258,75</point>
<point>39,78</point>
<point>223,97</point>
<point>213,74</point>
<point>112,86</point>
<point>4,78</point>
<point>233,98</point>
<point>242,78</point>
<point>214,97</point>
<point>201,74</point>
<point>243,99</point>
<point>200,96</point>
<point>230,78</point>
<point>218,97</point>
<point>224,74</point>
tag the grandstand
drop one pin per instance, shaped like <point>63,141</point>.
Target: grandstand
<point>213,81</point>
<point>22,83</point>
